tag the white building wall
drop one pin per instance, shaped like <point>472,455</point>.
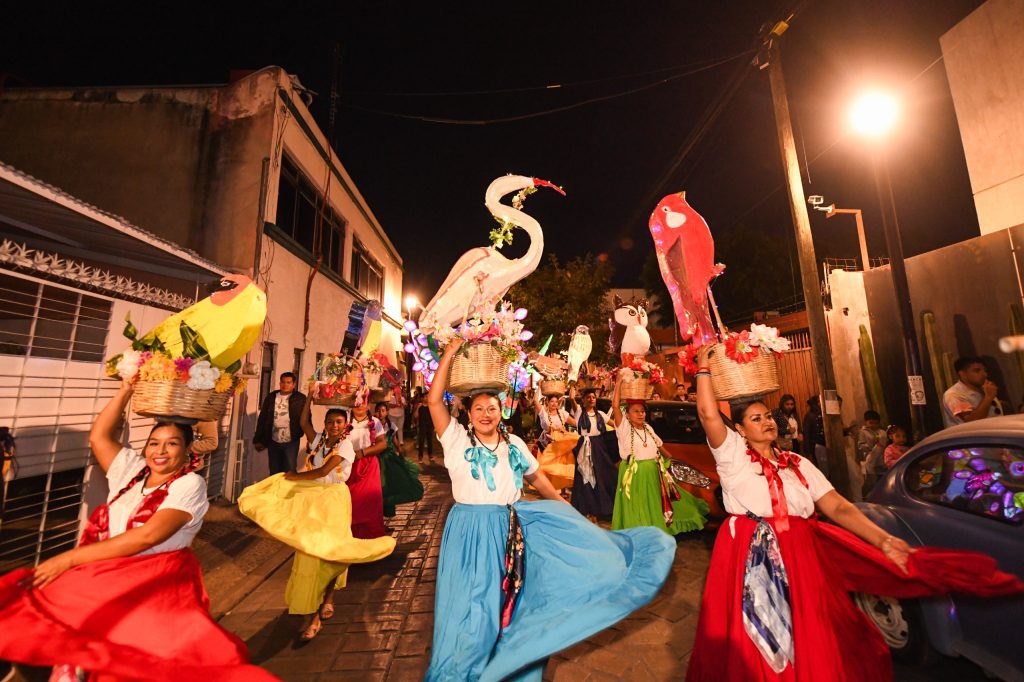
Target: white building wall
<point>984,60</point>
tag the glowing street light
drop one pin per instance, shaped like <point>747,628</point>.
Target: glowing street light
<point>411,302</point>
<point>874,114</point>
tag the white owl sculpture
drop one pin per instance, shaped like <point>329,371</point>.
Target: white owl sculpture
<point>580,346</point>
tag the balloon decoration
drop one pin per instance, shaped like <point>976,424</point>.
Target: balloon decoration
<point>483,274</point>
<point>686,258</point>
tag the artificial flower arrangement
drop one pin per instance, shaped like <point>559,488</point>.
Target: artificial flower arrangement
<point>743,346</point>
<point>150,361</point>
<point>638,369</point>
<point>498,325</point>
<point>594,377</point>
<point>337,378</point>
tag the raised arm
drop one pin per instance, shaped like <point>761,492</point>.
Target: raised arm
<point>435,398</point>
<point>616,414</point>
<point>707,405</point>
<point>104,436</point>
<point>306,420</point>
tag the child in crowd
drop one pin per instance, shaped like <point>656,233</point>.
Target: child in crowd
<point>871,442</point>
<point>898,446</point>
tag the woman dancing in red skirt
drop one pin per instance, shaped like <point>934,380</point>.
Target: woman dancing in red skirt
<point>776,604</point>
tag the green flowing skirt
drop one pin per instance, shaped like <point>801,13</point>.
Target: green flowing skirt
<point>642,507</point>
<point>399,479</point>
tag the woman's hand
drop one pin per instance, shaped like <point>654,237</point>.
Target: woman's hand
<point>128,385</point>
<point>454,344</point>
<point>51,569</point>
<point>897,551</point>
<point>704,356</point>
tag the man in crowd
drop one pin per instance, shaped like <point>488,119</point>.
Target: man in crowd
<point>277,429</point>
<point>971,398</point>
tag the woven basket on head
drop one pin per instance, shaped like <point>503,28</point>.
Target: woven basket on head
<point>638,389</point>
<point>337,400</point>
<point>732,380</point>
<point>586,383</point>
<point>372,379</point>
<point>478,367</point>
<point>553,387</point>
<point>175,399</point>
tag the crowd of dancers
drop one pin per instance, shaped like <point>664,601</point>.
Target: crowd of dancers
<point>517,580</point>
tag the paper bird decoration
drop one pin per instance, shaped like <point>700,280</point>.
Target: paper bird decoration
<point>686,258</point>
<point>580,346</point>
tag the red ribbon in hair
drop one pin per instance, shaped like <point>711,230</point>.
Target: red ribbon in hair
<point>785,460</point>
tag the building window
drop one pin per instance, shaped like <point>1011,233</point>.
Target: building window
<point>367,274</point>
<point>45,321</point>
<point>299,203</point>
<point>267,370</point>
<point>297,366</point>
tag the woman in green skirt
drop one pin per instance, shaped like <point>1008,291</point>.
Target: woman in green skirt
<point>647,495</point>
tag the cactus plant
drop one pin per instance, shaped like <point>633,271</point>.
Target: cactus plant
<point>869,370</point>
<point>941,373</point>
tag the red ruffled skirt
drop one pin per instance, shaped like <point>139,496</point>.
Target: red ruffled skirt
<point>832,639</point>
<point>135,618</point>
<point>367,499</point>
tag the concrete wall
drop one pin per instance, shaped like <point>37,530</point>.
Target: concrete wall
<point>969,287</point>
<point>984,60</point>
<point>849,312</point>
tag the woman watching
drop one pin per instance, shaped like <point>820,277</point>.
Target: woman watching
<point>132,559</point>
<point>528,564</point>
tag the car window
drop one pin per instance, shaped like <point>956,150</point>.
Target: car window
<point>676,424</point>
<point>988,481</point>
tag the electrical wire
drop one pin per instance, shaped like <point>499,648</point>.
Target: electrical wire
<point>534,88</point>
<point>555,110</point>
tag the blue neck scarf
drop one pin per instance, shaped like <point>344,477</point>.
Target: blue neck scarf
<point>483,461</point>
<point>584,421</point>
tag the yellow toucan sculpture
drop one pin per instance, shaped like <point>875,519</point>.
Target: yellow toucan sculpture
<point>228,322</point>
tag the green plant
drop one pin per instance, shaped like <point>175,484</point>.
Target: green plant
<point>869,370</point>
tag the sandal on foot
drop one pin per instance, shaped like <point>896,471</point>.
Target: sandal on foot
<point>327,612</point>
<point>310,632</point>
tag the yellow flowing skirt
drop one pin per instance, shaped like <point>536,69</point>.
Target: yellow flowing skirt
<point>557,461</point>
<point>315,519</point>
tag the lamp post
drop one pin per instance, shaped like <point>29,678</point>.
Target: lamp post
<point>873,116</point>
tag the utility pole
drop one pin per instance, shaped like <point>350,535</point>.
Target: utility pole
<point>894,244</point>
<point>838,471</point>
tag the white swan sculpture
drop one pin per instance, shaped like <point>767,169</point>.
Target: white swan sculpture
<point>483,274</point>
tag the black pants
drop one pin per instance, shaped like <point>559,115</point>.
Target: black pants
<point>425,436</point>
<point>281,456</point>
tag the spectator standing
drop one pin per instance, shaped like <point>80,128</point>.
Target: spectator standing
<point>814,434</point>
<point>871,442</point>
<point>279,427</point>
<point>971,398</point>
<point>788,421</point>
<point>898,447</point>
<point>424,429</point>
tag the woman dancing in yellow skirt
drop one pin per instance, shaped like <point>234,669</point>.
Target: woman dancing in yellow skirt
<point>311,510</point>
<point>556,442</point>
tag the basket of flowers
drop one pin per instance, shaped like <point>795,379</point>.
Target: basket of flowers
<point>638,377</point>
<point>744,364</point>
<point>337,381</point>
<point>493,342</point>
<point>554,386</point>
<point>594,377</point>
<point>373,370</point>
<point>181,383</point>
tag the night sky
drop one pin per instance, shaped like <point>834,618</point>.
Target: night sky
<point>425,181</point>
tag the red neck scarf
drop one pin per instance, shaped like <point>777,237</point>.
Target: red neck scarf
<point>770,469</point>
<point>98,527</point>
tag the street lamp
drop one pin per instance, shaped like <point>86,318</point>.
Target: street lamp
<point>830,211</point>
<point>873,116</point>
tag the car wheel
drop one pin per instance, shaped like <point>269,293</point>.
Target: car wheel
<point>901,624</point>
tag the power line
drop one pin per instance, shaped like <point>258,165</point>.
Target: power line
<point>535,88</point>
<point>555,110</point>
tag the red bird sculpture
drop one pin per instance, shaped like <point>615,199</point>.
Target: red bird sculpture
<point>686,258</point>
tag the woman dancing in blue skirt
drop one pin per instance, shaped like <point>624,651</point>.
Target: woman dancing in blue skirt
<point>516,581</point>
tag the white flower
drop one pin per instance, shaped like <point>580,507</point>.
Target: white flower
<point>777,345</point>
<point>202,376</point>
<point>128,365</point>
<point>768,338</point>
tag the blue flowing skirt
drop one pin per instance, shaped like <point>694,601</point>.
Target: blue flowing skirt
<point>579,580</point>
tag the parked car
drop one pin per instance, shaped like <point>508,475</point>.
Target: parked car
<point>677,424</point>
<point>961,488</point>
